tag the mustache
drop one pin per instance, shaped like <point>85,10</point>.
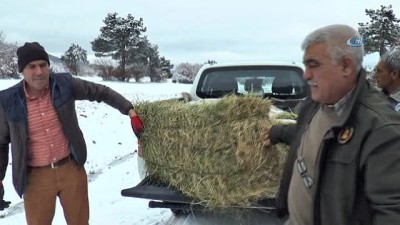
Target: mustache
<point>311,83</point>
<point>39,77</point>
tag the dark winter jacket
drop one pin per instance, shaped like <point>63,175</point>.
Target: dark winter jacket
<point>394,99</point>
<point>359,178</point>
<point>64,90</point>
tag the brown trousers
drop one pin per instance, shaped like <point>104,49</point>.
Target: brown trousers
<point>67,182</point>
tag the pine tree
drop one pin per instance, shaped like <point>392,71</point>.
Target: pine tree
<point>73,57</point>
<point>154,64</point>
<point>166,67</point>
<point>138,59</point>
<point>145,60</point>
<point>382,33</point>
<point>117,38</point>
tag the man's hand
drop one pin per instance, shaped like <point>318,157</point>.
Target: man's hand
<point>132,113</point>
<point>136,123</point>
<point>3,204</point>
<point>266,143</point>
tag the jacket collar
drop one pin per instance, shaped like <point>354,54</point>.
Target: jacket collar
<point>396,96</point>
<point>354,98</point>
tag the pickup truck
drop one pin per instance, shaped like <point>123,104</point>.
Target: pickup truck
<point>282,83</point>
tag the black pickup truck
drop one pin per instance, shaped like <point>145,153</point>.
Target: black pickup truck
<point>280,82</point>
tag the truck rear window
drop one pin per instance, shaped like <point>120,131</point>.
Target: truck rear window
<point>284,82</point>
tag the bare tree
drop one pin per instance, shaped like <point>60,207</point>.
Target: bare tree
<point>8,59</point>
<point>105,67</point>
<point>2,37</point>
<point>186,72</point>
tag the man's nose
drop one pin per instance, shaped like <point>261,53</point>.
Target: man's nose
<point>307,74</point>
<point>38,70</point>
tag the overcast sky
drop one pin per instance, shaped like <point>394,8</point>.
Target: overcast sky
<point>188,30</point>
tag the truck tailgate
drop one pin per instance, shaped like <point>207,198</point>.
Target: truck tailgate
<point>150,188</point>
<point>263,213</point>
<point>153,189</point>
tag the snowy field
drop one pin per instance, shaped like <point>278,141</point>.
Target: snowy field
<point>112,162</point>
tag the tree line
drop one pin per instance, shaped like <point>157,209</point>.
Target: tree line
<point>124,52</point>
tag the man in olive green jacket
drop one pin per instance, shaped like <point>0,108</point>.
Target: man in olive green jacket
<point>344,161</point>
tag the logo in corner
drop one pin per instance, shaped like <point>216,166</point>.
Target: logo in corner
<point>356,41</point>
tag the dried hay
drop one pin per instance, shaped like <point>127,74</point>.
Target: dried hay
<point>287,115</point>
<point>212,150</point>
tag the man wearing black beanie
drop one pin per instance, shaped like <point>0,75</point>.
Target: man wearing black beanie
<point>30,52</point>
<point>38,119</point>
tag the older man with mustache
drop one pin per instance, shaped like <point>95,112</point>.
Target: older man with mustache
<point>344,161</point>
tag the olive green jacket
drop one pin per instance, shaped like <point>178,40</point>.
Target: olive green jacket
<point>359,177</point>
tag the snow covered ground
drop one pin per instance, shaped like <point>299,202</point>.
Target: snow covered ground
<point>112,162</point>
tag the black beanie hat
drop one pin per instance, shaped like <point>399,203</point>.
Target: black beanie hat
<point>29,52</point>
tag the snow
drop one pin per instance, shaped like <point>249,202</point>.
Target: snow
<point>112,158</point>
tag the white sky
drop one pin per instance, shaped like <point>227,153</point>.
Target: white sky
<point>188,31</point>
<point>111,145</point>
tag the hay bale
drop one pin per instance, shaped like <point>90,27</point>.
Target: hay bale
<point>287,116</point>
<point>211,150</point>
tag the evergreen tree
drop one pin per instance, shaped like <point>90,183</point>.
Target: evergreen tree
<point>73,57</point>
<point>166,67</point>
<point>382,33</point>
<point>145,60</point>
<point>154,64</point>
<point>117,38</point>
<point>138,59</point>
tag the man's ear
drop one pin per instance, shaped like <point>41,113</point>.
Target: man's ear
<point>348,66</point>
<point>395,74</point>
